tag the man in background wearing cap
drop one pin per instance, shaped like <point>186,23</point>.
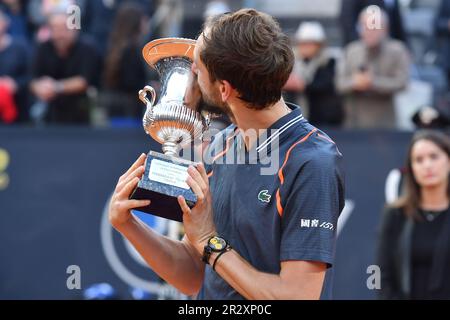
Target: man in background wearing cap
<point>313,76</point>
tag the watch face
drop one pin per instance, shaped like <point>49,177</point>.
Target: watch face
<point>217,244</point>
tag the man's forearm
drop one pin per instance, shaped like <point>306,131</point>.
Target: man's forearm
<point>172,260</point>
<point>73,85</point>
<point>389,85</point>
<point>257,285</point>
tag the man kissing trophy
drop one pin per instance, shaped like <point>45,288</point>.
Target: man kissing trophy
<point>173,124</point>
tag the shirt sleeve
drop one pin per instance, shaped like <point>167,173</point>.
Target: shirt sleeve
<point>311,208</point>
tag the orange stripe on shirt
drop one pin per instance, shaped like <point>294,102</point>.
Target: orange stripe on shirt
<point>280,172</point>
<point>279,206</point>
<point>228,145</point>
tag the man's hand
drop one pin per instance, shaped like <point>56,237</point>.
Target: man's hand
<point>120,205</point>
<point>362,81</point>
<point>45,89</point>
<point>198,221</point>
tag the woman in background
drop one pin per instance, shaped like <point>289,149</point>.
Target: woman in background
<point>125,71</point>
<point>414,244</point>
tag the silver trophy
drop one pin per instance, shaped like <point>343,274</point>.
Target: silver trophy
<point>171,123</point>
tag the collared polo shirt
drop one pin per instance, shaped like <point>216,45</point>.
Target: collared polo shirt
<point>279,201</point>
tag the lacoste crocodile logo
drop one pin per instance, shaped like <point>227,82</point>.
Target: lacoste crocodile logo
<point>264,196</point>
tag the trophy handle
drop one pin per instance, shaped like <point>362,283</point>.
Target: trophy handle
<point>143,96</point>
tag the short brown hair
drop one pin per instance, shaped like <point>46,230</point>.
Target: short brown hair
<point>248,49</point>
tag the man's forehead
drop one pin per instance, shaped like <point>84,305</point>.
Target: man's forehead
<point>199,44</point>
<point>58,18</point>
<point>200,40</point>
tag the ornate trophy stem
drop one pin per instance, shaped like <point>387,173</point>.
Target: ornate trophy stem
<point>171,148</point>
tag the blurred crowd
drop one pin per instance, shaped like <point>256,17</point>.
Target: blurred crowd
<point>79,62</point>
<point>60,61</point>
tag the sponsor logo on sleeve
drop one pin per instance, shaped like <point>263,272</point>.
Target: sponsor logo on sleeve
<point>315,223</point>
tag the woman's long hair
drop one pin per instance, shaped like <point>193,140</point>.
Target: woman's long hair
<point>410,201</point>
<point>126,30</point>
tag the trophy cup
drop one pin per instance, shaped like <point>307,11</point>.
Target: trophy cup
<point>171,123</point>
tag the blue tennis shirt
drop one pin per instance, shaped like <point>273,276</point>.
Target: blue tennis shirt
<point>278,201</point>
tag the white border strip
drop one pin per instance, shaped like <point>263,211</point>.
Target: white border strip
<point>279,132</point>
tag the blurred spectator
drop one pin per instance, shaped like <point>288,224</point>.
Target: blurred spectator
<point>38,12</point>
<point>124,73</point>
<point>214,8</point>
<point>372,70</point>
<point>313,76</point>
<point>443,30</point>
<point>18,25</point>
<point>13,75</point>
<point>169,18</point>
<point>352,8</point>
<point>428,117</point>
<point>99,16</point>
<point>63,69</point>
<point>414,243</point>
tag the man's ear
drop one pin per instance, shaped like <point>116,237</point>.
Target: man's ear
<point>226,90</point>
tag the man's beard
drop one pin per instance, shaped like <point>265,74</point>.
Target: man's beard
<point>218,108</point>
<point>204,105</point>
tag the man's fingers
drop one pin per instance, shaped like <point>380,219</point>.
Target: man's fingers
<point>202,170</point>
<point>197,178</point>
<point>127,205</point>
<point>195,188</point>
<point>139,162</point>
<point>183,205</point>
<point>136,173</point>
<point>131,204</point>
<point>128,188</point>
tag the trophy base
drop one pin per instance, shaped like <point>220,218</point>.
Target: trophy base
<point>163,181</point>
